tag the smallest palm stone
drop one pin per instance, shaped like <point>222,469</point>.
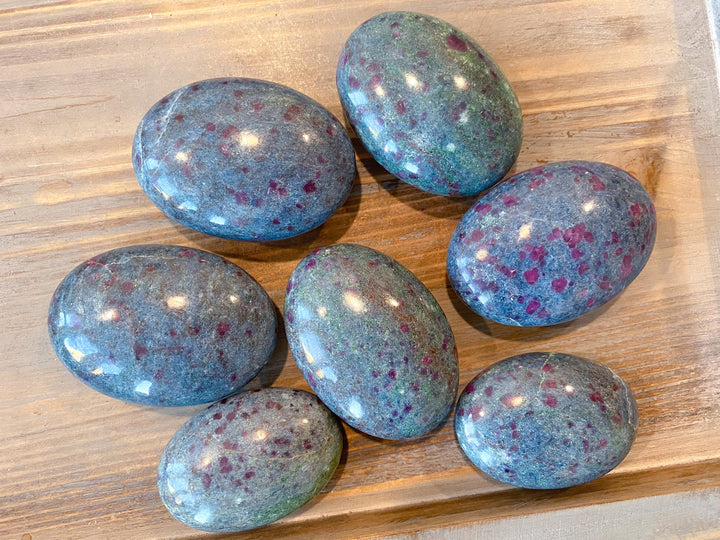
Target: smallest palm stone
<point>249,460</point>
<point>546,420</point>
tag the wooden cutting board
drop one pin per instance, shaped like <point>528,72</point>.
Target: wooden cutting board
<point>629,83</point>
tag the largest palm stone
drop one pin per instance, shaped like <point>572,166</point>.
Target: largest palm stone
<point>243,159</point>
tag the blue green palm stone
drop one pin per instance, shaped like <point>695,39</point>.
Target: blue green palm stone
<point>372,341</point>
<point>249,460</point>
<point>429,104</point>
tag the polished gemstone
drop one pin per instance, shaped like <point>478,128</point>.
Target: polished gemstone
<point>429,104</point>
<point>162,325</point>
<point>372,341</point>
<point>546,420</point>
<point>552,243</point>
<point>243,159</point>
<point>249,460</point>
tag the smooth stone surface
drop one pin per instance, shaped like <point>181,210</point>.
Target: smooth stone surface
<point>546,420</point>
<point>243,159</point>
<point>552,243</point>
<point>249,460</point>
<point>162,325</point>
<point>429,104</point>
<point>372,341</point>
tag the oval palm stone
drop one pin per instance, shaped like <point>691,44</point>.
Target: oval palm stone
<point>372,341</point>
<point>162,325</point>
<point>429,104</point>
<point>243,159</point>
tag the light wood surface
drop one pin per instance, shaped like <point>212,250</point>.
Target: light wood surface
<point>629,83</point>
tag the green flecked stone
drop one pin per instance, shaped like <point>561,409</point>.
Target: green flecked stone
<point>429,104</point>
<point>249,460</point>
<point>372,341</point>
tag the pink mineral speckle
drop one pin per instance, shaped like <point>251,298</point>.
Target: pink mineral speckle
<point>140,351</point>
<point>127,286</point>
<point>537,253</point>
<point>559,284</point>
<point>532,275</point>
<point>574,235</point>
<point>475,411</point>
<point>222,329</point>
<point>532,307</point>
<point>638,211</point>
<point>225,466</point>
<point>509,200</point>
<point>229,131</point>
<point>536,182</point>
<point>476,235</point>
<point>483,208</point>
<point>241,197</point>
<point>291,113</point>
<point>597,184</point>
<point>509,272</point>
<point>456,44</point>
<point>375,82</point>
<point>627,267</point>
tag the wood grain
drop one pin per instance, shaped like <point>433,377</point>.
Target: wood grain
<point>629,83</point>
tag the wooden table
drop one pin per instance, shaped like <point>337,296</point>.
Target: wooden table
<point>629,83</point>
